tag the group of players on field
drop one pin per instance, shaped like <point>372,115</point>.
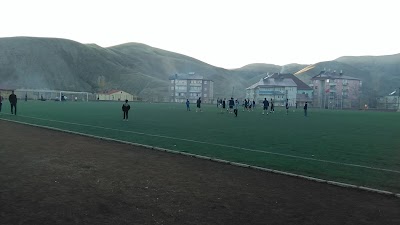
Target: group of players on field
<point>233,105</point>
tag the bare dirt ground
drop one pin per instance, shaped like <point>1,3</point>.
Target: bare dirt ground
<point>49,177</point>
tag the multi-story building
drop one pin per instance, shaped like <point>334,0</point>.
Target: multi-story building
<point>335,90</point>
<point>190,86</point>
<point>304,92</point>
<point>276,87</point>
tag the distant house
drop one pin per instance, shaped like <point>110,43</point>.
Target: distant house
<point>335,90</point>
<point>115,95</point>
<point>304,92</point>
<point>390,102</point>
<point>5,92</point>
<point>190,86</point>
<point>276,87</point>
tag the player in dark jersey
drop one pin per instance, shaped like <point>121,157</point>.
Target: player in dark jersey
<point>266,105</point>
<point>198,102</point>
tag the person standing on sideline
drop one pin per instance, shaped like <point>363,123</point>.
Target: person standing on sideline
<point>287,106</point>
<point>13,101</point>
<point>26,97</point>
<point>198,104</point>
<point>305,109</point>
<point>266,105</point>
<point>125,108</point>
<point>254,105</point>
<point>187,105</point>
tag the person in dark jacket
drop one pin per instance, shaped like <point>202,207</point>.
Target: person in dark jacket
<point>198,103</point>
<point>13,101</point>
<point>266,105</point>
<point>1,102</point>
<point>287,106</point>
<point>125,108</point>
<point>305,109</point>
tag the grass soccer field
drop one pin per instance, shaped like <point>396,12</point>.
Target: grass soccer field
<point>354,147</point>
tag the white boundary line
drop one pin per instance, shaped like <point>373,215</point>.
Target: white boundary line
<point>339,184</point>
<point>221,145</point>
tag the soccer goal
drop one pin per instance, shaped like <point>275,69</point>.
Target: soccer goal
<point>52,95</point>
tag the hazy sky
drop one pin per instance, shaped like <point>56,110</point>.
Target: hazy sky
<point>225,33</point>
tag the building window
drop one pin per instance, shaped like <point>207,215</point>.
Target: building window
<point>172,81</point>
<point>205,82</point>
<point>205,89</point>
<point>205,95</point>
<point>172,88</point>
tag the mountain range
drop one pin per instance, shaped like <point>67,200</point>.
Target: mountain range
<point>60,64</point>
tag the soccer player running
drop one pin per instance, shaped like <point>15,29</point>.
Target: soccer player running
<point>1,102</point>
<point>198,102</point>
<point>13,101</point>
<point>125,108</point>
<point>187,105</point>
<point>266,105</point>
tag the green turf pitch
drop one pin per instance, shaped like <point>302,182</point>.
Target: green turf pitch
<point>356,147</point>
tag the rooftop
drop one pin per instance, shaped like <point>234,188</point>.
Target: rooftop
<point>189,76</point>
<point>300,84</point>
<point>270,81</point>
<point>332,75</point>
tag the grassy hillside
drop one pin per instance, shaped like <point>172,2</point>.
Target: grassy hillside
<point>51,63</point>
<point>384,70</point>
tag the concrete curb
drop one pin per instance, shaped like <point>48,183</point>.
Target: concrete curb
<point>338,184</point>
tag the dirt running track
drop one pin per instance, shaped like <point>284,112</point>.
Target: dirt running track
<point>49,177</point>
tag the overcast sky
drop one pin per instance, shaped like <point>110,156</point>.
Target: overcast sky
<point>225,33</point>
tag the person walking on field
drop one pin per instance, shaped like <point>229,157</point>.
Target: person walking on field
<point>235,111</point>
<point>125,108</point>
<point>287,106</point>
<point>223,105</point>
<point>198,104</point>
<point>231,105</point>
<point>13,102</point>
<point>187,105</point>
<point>272,106</point>
<point>305,109</point>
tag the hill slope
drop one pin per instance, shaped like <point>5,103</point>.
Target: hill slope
<point>52,63</point>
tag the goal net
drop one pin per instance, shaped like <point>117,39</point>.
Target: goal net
<point>52,95</point>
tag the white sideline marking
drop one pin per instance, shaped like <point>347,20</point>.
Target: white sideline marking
<point>339,184</point>
<point>222,145</point>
